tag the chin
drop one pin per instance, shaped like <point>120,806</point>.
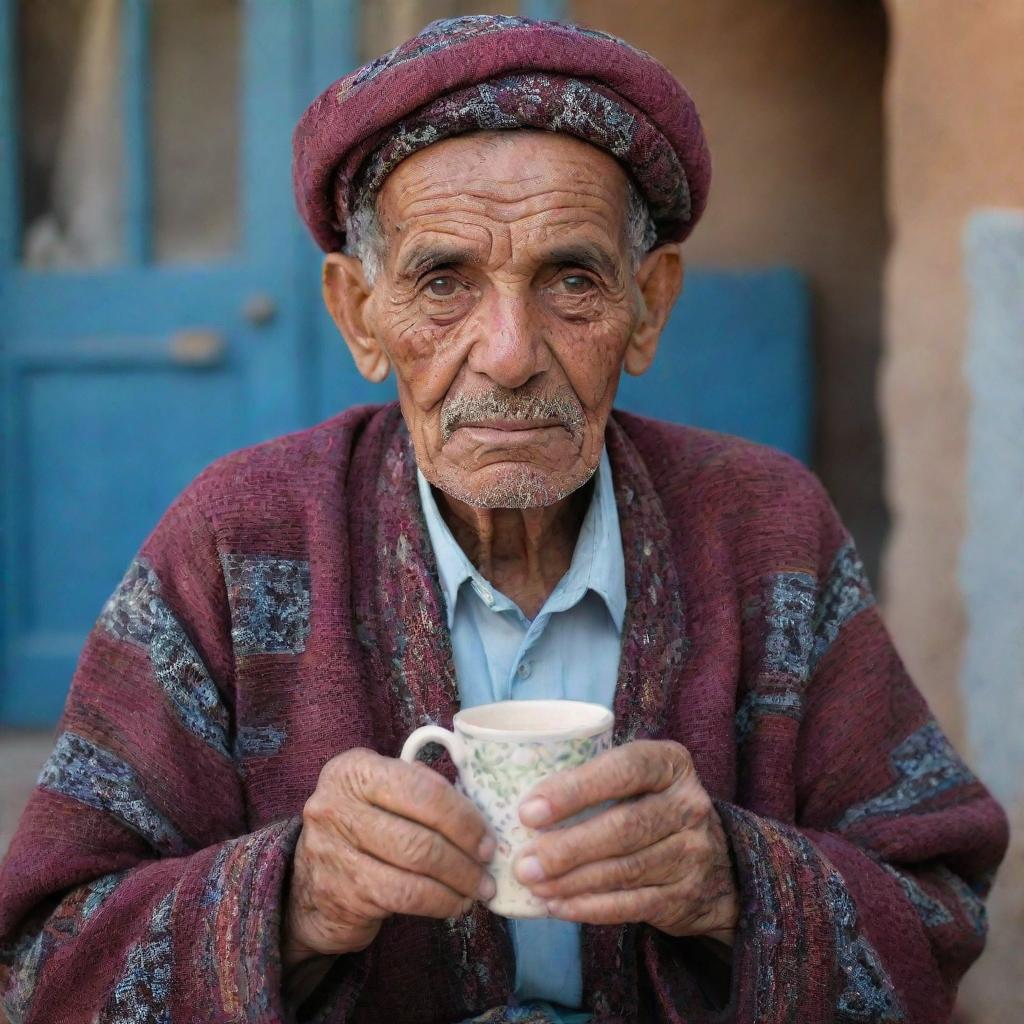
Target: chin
<point>516,485</point>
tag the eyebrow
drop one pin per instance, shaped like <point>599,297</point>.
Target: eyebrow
<point>418,261</point>
<point>590,257</point>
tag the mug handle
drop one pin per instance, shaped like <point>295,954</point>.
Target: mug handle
<point>417,740</point>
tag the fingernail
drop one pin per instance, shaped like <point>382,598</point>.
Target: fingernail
<point>487,847</point>
<point>553,906</point>
<point>487,888</point>
<point>535,812</point>
<point>529,869</point>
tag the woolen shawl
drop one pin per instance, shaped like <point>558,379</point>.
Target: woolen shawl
<point>288,608</point>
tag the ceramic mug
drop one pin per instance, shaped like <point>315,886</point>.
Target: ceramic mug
<point>503,750</point>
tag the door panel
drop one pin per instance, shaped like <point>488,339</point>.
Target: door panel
<point>735,356</point>
<point>69,509</point>
<point>154,330</point>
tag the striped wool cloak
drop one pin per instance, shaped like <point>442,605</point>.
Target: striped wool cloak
<point>287,608</point>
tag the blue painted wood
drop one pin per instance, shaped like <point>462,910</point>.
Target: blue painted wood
<point>105,352</point>
<point>334,42</point>
<point>330,48</point>
<point>269,49</point>
<point>551,10</point>
<point>9,231</point>
<point>135,121</point>
<point>270,229</point>
<point>128,299</point>
<point>735,356</point>
<point>83,525</point>
<point>104,425</point>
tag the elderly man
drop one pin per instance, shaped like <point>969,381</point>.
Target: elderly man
<point>223,831</point>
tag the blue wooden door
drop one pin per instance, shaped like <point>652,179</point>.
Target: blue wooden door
<point>122,380</point>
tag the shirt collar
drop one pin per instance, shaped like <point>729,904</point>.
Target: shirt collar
<point>597,561</point>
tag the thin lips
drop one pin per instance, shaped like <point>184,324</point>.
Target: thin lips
<point>511,424</point>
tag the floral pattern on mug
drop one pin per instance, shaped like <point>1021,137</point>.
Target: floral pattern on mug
<point>496,775</point>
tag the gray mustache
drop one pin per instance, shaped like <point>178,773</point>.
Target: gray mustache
<point>511,406</point>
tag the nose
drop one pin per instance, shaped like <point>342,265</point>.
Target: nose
<point>508,347</point>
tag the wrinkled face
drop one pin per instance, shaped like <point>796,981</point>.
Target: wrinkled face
<point>506,304</point>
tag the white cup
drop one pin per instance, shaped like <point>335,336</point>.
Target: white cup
<point>502,751</point>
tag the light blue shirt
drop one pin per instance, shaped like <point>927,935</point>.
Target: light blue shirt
<point>569,651</point>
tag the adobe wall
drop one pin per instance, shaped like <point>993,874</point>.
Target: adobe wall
<point>955,102</point>
<point>955,106</point>
<point>790,96</point>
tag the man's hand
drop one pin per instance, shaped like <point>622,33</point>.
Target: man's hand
<point>660,858</point>
<point>381,837</point>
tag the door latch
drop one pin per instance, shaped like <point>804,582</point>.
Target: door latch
<point>198,347</point>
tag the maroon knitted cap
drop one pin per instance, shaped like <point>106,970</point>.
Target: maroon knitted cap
<point>496,72</point>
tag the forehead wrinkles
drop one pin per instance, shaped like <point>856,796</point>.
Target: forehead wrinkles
<point>498,230</point>
<point>505,169</point>
<point>506,202</point>
<point>444,232</point>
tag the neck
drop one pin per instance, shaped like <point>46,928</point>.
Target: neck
<point>522,552</point>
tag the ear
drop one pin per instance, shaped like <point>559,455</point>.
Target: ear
<point>346,292</point>
<point>660,280</point>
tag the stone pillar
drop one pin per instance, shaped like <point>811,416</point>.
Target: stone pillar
<point>992,574</point>
<point>955,126</point>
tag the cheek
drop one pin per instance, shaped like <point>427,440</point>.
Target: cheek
<point>592,356</point>
<point>425,356</point>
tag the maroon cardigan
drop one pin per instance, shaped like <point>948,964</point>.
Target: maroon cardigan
<point>287,608</point>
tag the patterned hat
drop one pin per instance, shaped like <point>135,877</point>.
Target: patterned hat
<point>499,72</point>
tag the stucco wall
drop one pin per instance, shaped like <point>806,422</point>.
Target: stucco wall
<point>790,95</point>
<point>955,102</point>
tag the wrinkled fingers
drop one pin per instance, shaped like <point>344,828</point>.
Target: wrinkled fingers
<point>659,864</point>
<point>616,832</point>
<point>411,791</point>
<point>391,890</point>
<point>415,848</point>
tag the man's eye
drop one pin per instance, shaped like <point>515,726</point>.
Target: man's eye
<point>442,287</point>
<point>577,284</point>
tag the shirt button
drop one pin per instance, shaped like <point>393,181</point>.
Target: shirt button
<point>524,670</point>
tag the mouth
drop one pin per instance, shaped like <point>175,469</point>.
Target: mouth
<point>510,425</point>
<point>498,433</point>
